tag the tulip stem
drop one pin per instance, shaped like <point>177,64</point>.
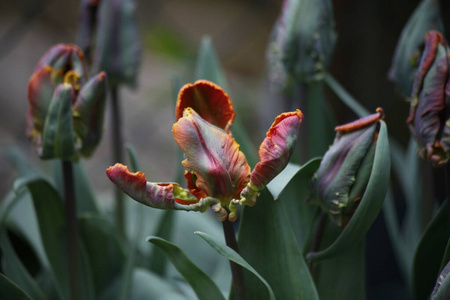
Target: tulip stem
<point>345,96</point>
<point>318,236</point>
<point>72,230</point>
<point>237,272</point>
<point>117,157</point>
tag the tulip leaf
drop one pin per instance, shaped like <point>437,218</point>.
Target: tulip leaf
<point>52,227</point>
<point>369,206</point>
<point>201,283</point>
<point>232,255</point>
<point>333,275</point>
<point>267,242</point>
<point>293,199</point>
<point>58,139</point>
<point>12,265</point>
<point>407,56</point>
<point>429,253</point>
<point>106,255</point>
<point>11,291</point>
<point>158,261</point>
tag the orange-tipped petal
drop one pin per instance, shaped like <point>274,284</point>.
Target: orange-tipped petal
<point>209,101</point>
<point>276,149</point>
<point>213,155</point>
<point>157,195</point>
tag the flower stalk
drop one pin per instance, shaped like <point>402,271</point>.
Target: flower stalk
<point>237,272</point>
<point>117,142</point>
<point>72,229</point>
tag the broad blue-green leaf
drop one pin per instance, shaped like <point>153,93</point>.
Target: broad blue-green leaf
<point>59,140</point>
<point>429,253</point>
<point>11,291</point>
<point>343,276</point>
<point>84,194</point>
<point>235,257</point>
<point>52,226</point>
<point>370,205</point>
<point>158,261</point>
<point>266,241</point>
<point>203,286</point>
<point>301,215</point>
<point>105,253</point>
<point>12,265</point>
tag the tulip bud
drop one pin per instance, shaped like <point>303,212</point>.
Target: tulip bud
<point>302,41</point>
<point>66,110</point>
<point>429,118</point>
<point>441,289</point>
<point>407,55</point>
<point>118,49</point>
<point>340,182</point>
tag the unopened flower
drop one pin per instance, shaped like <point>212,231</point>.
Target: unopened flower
<point>218,175</point>
<point>429,117</point>
<point>340,181</point>
<point>302,41</point>
<point>409,48</point>
<point>65,114</point>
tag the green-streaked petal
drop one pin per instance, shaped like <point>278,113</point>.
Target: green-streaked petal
<point>156,195</point>
<point>213,155</point>
<point>208,100</point>
<point>275,151</point>
<point>40,93</point>
<point>58,138</point>
<point>88,113</point>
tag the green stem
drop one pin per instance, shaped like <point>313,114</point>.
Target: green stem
<point>236,270</point>
<point>72,230</point>
<point>345,97</point>
<point>117,144</point>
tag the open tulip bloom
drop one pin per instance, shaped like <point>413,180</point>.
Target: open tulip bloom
<point>218,175</point>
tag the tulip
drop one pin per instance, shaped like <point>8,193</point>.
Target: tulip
<point>429,117</point>
<point>342,177</point>
<point>407,55</point>
<point>65,114</point>
<point>218,175</point>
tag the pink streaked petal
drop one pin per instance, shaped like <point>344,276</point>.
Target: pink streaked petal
<point>157,195</point>
<point>209,100</point>
<point>276,149</point>
<point>213,155</point>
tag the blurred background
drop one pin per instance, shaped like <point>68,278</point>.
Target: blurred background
<point>171,32</point>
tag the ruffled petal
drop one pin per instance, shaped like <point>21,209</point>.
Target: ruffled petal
<point>209,101</point>
<point>156,195</point>
<point>213,155</point>
<point>276,150</point>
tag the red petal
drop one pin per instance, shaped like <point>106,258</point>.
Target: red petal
<point>276,149</point>
<point>209,101</point>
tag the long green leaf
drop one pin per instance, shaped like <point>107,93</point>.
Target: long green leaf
<point>232,255</point>
<point>429,253</point>
<point>158,261</point>
<point>293,198</point>
<point>12,265</point>
<point>106,255</point>
<point>267,242</point>
<point>203,286</point>
<point>11,291</point>
<point>370,205</point>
